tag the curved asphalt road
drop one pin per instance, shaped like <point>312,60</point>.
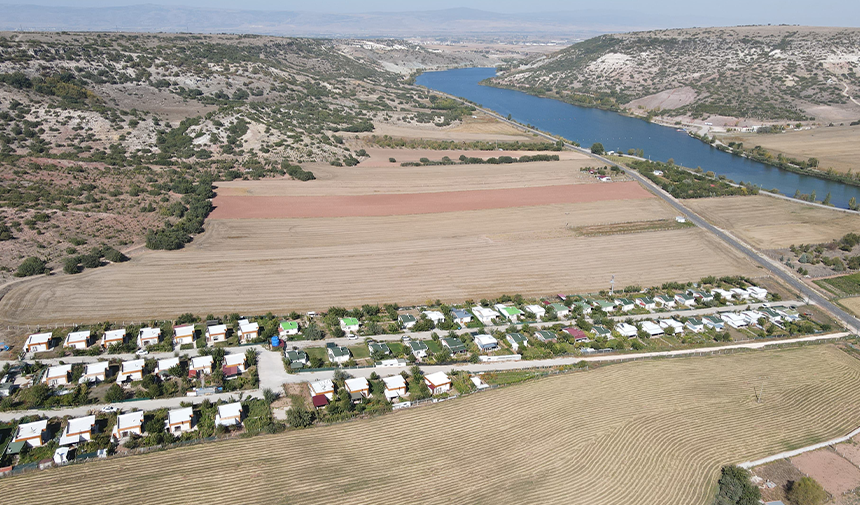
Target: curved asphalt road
<point>851,322</point>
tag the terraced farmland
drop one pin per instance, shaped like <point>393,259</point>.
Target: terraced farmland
<point>652,432</point>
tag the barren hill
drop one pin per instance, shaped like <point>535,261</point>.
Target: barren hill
<point>767,73</point>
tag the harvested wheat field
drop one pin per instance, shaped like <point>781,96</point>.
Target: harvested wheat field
<point>394,179</point>
<point>653,432</point>
<point>261,207</point>
<point>852,304</point>
<point>835,147</point>
<point>252,266</point>
<point>772,223</point>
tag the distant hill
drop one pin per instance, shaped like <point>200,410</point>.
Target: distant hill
<point>447,23</point>
<point>764,73</point>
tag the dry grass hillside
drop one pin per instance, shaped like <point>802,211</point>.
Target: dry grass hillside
<point>766,73</point>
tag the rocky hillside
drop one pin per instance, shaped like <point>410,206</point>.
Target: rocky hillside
<point>763,73</point>
<point>107,139</point>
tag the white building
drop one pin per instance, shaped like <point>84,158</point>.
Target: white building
<point>216,333</point>
<point>112,337</point>
<point>229,414</point>
<point>757,292</point>
<point>202,364</point>
<point>38,342</point>
<point>626,330</point>
<point>77,340</point>
<point>537,310</point>
<point>677,326</point>
<point>183,335</point>
<point>164,365</point>
<point>734,320</point>
<point>130,371</point>
<point>486,342</point>
<point>32,433</point>
<point>248,331</point>
<point>484,315</point>
<point>438,383</point>
<point>78,430</point>
<point>740,294</point>
<point>148,336</point>
<point>237,360</point>
<point>127,425</point>
<point>179,421</point>
<point>357,385</point>
<point>322,387</point>
<point>653,329</point>
<point>395,386</point>
<point>94,372</point>
<point>435,316</point>
<point>725,295</point>
<point>58,375</point>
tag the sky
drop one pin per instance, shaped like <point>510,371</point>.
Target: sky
<point>819,12</point>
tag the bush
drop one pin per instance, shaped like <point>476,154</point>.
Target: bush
<point>736,488</point>
<point>91,261</point>
<point>70,265</point>
<point>597,148</point>
<point>114,394</point>
<point>32,266</point>
<point>114,256</point>
<point>806,491</point>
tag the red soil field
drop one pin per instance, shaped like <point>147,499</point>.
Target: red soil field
<point>261,207</point>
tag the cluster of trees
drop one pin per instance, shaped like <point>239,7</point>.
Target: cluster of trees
<point>467,160</point>
<point>681,183</point>
<point>296,172</point>
<point>451,145</point>
<point>74,264</point>
<point>176,235</point>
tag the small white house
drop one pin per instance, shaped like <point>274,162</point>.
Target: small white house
<point>713,322</point>
<point>646,303</point>
<point>248,331</point>
<point>183,335</point>
<point>77,340</point>
<point>695,325</point>
<point>486,343</point>
<point>665,301</point>
<point>653,329</point>
<point>516,340</point>
<point>164,365</point>
<point>349,325</point>
<point>78,430</point>
<point>734,320</point>
<point>685,300</point>
<point>337,354</point>
<point>461,317</point>
<point>395,386</point>
<point>94,372</point>
<point>740,294</point>
<point>484,315</point>
<point>677,326</point>
<point>38,342</point>
<point>725,295</point>
<point>130,371</point>
<point>418,348</point>
<point>216,333</point>
<point>180,421</point>
<point>626,330</point>
<point>237,360</point>
<point>357,385</point>
<point>512,314</point>
<point>32,433</point>
<point>112,337</point>
<point>625,304</point>
<point>127,425</point>
<point>438,383</point>
<point>202,364</point>
<point>753,316</point>
<point>757,292</point>
<point>58,375</point>
<point>148,336</point>
<point>537,310</point>
<point>435,316</point>
<point>407,321</point>
<point>229,414</point>
<point>322,387</point>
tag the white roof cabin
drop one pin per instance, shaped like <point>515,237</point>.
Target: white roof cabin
<point>77,340</point>
<point>94,372</point>
<point>38,342</point>
<point>164,365</point>
<point>248,331</point>
<point>32,433</point>
<point>113,337</point>
<point>484,315</point>
<point>78,430</point>
<point>626,330</point>
<point>128,424</point>
<point>752,316</point>
<point>438,382</point>
<point>183,334</point>
<point>58,375</point>
<point>653,329</point>
<point>740,294</point>
<point>357,385</point>
<point>394,386</point>
<point>435,316</point>
<point>322,387</point>
<point>229,414</point>
<point>677,326</point>
<point>216,333</point>
<point>726,295</point>
<point>734,320</point>
<point>130,370</point>
<point>202,364</point>
<point>237,360</point>
<point>537,310</point>
<point>486,342</point>
<point>148,336</point>
<point>757,292</point>
<point>179,420</point>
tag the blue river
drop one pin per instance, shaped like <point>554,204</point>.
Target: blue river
<point>620,133</point>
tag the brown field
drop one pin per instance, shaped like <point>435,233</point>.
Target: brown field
<point>835,473</point>
<point>481,128</point>
<point>262,207</point>
<point>652,432</point>
<point>379,157</point>
<point>773,223</point>
<point>835,147</point>
<point>256,265</point>
<point>364,180</point>
<point>852,304</point>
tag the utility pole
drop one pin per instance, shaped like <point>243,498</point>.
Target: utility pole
<point>612,286</point>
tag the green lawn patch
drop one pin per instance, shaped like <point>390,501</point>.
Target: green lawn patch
<point>844,285</point>
<point>433,346</point>
<point>318,352</point>
<point>359,351</point>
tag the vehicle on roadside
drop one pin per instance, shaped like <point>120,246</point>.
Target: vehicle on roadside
<point>109,409</point>
<point>406,339</point>
<point>141,352</point>
<point>352,336</point>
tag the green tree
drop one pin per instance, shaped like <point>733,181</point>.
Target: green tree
<point>852,203</point>
<point>806,491</point>
<point>32,266</point>
<point>597,148</point>
<point>299,416</point>
<point>114,394</point>
<point>826,199</point>
<point>735,488</point>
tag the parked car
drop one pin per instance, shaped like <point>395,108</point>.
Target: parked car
<point>109,409</point>
<point>141,352</point>
<point>352,336</point>
<point>406,339</point>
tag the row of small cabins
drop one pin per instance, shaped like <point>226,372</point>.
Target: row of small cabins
<point>322,391</point>
<point>82,429</point>
<point>182,335</point>
<point>486,315</point>
<point>487,343</point>
<point>129,371</point>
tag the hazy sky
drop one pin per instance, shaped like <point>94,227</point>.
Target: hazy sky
<point>820,12</point>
